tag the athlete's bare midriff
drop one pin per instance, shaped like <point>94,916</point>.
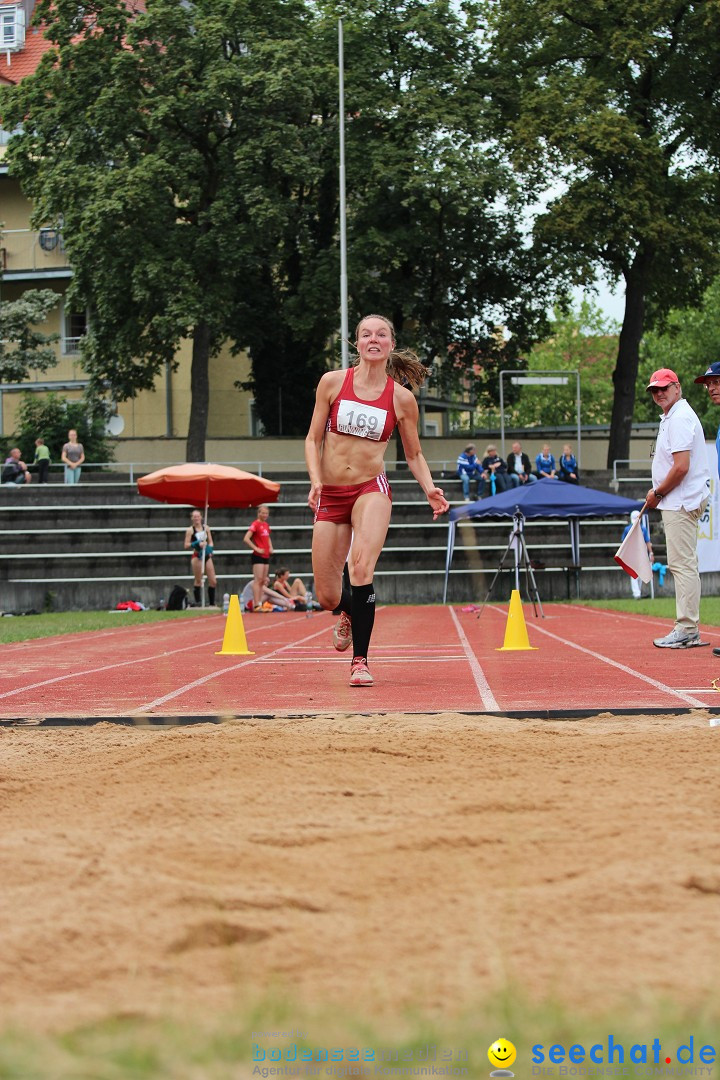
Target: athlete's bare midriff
<point>347,459</point>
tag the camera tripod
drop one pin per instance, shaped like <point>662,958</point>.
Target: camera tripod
<point>517,545</point>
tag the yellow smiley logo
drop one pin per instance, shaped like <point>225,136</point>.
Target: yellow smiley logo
<point>502,1054</point>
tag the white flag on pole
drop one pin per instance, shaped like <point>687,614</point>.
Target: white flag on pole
<point>633,554</point>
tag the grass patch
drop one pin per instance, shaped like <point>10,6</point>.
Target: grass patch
<point>662,607</point>
<point>26,627</point>
<point>222,1047</point>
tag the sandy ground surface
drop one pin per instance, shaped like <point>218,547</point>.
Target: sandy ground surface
<point>368,861</point>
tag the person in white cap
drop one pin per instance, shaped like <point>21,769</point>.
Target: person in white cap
<point>681,487</point>
<point>711,381</point>
<point>636,583</point>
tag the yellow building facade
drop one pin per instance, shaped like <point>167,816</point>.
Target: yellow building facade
<point>36,259</point>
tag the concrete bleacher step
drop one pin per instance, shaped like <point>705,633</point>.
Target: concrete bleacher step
<point>93,545</point>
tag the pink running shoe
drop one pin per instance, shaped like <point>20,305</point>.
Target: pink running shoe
<point>359,674</point>
<point>342,634</point>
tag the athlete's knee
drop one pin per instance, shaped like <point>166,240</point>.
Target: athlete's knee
<point>362,568</point>
<point>327,597</point>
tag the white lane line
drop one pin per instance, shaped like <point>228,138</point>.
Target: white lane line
<point>486,694</point>
<point>621,667</point>
<point>375,659</point>
<point>82,637</point>
<point>108,667</point>
<point>120,663</point>
<point>225,671</point>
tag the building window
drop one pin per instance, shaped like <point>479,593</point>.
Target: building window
<point>74,328</point>
<point>256,425</point>
<point>12,28</point>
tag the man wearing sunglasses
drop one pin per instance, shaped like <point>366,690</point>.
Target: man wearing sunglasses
<point>680,490</point>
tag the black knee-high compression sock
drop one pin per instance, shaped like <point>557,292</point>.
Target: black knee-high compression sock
<point>211,595</point>
<point>197,593</point>
<point>363,617</point>
<point>346,595</point>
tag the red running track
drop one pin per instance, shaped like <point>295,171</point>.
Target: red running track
<point>424,659</point>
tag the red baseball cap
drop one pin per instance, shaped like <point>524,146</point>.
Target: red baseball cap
<point>663,377</point>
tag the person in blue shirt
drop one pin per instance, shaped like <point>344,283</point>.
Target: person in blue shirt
<point>495,474</point>
<point>545,464</point>
<point>711,380</point>
<point>568,466</point>
<point>636,583</point>
<point>468,467</point>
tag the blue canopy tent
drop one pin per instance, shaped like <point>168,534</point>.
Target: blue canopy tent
<point>545,499</point>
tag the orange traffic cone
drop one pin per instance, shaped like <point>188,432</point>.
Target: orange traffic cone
<point>234,642</point>
<point>516,635</point>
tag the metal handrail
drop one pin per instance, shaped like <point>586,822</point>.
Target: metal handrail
<point>627,461</point>
<point>135,467</point>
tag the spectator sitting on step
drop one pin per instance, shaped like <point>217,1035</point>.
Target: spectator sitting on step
<point>518,464</point>
<point>495,474</point>
<point>545,464</point>
<point>568,466</point>
<point>267,596</point>
<point>468,468</point>
<point>294,591</point>
<point>15,471</point>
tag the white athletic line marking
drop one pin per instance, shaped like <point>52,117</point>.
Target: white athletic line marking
<point>107,667</point>
<point>111,631</point>
<point>486,694</point>
<point>124,663</point>
<point>225,671</point>
<point>621,667</point>
<point>374,659</point>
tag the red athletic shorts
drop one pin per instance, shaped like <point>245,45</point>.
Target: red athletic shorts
<point>337,500</point>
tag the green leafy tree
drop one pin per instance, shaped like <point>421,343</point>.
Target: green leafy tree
<point>615,105</point>
<point>688,343</point>
<point>434,237</point>
<point>423,200</point>
<point>24,348</point>
<point>582,340</point>
<point>50,418</point>
<point>153,134</point>
<point>192,151</point>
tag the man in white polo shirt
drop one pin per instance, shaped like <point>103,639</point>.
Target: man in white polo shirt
<point>681,485</point>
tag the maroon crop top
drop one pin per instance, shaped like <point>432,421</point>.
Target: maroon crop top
<point>349,415</point>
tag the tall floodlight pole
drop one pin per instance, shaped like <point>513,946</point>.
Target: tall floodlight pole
<point>343,234</point>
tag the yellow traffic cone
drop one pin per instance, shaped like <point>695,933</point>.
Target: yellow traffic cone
<point>234,642</point>
<point>516,635</point>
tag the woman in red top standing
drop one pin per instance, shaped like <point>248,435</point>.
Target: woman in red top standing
<point>355,413</point>
<point>258,540</point>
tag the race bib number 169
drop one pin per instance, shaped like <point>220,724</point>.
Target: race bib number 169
<point>365,421</point>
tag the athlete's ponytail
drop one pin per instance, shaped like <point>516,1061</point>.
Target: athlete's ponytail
<point>405,367</point>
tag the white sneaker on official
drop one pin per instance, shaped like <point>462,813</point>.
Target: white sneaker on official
<point>678,639</point>
<point>342,633</point>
